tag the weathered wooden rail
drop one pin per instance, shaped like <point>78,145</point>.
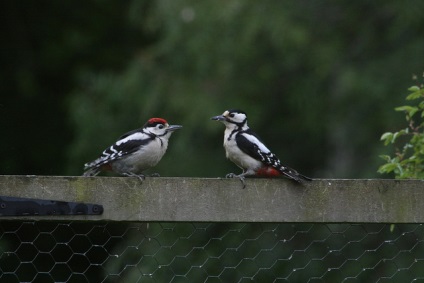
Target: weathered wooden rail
<point>211,200</point>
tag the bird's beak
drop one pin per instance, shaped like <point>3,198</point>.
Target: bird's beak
<point>218,118</point>
<point>172,128</point>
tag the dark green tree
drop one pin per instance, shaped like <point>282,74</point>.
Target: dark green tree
<point>317,75</point>
<point>47,47</point>
<point>312,77</point>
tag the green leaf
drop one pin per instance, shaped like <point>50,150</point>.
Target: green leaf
<point>414,88</point>
<point>387,137</point>
<point>410,109</point>
<point>416,93</point>
<point>399,134</point>
<point>400,169</point>
<point>387,158</point>
<point>387,168</point>
<point>406,108</point>
<point>395,136</point>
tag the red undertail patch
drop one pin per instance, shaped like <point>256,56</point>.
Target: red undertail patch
<point>268,172</point>
<point>106,167</point>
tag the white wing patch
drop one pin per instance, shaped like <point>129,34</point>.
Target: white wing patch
<point>135,136</point>
<point>255,141</point>
<point>266,156</point>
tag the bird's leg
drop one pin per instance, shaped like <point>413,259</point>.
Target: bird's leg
<point>141,177</point>
<point>241,177</point>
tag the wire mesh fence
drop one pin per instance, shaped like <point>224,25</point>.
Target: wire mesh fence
<point>49,251</point>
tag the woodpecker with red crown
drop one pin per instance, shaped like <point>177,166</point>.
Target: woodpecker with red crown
<point>135,151</point>
<point>247,151</point>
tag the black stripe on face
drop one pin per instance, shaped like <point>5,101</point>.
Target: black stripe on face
<point>229,114</point>
<point>236,111</point>
<point>239,124</point>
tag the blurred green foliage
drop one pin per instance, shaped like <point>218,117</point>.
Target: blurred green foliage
<point>408,162</point>
<point>317,79</point>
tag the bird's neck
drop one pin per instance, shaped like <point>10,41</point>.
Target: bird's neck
<point>232,129</point>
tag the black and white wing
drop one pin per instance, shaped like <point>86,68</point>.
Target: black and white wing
<point>250,144</point>
<point>127,144</point>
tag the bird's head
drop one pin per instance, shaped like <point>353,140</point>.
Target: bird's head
<point>160,127</point>
<point>232,118</point>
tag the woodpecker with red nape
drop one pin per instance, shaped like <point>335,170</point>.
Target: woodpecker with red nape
<point>247,151</point>
<point>135,151</point>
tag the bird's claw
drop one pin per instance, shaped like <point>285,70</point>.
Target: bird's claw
<point>242,181</point>
<point>141,177</point>
<point>155,175</point>
<point>241,178</point>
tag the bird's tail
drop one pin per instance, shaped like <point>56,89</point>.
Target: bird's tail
<point>294,175</point>
<point>91,171</point>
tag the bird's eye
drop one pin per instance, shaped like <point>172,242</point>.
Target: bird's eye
<point>231,115</point>
<point>161,126</point>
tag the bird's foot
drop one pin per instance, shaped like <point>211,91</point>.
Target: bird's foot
<point>241,178</point>
<point>141,177</point>
<point>155,175</point>
<point>231,175</point>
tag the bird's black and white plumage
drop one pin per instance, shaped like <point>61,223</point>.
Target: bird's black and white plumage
<point>247,151</point>
<point>135,151</point>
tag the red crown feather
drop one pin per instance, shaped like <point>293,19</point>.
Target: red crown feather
<point>157,121</point>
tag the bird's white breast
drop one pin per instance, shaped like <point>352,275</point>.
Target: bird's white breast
<point>148,156</point>
<point>240,158</point>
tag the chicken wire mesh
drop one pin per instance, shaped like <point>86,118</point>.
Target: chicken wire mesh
<point>49,251</point>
